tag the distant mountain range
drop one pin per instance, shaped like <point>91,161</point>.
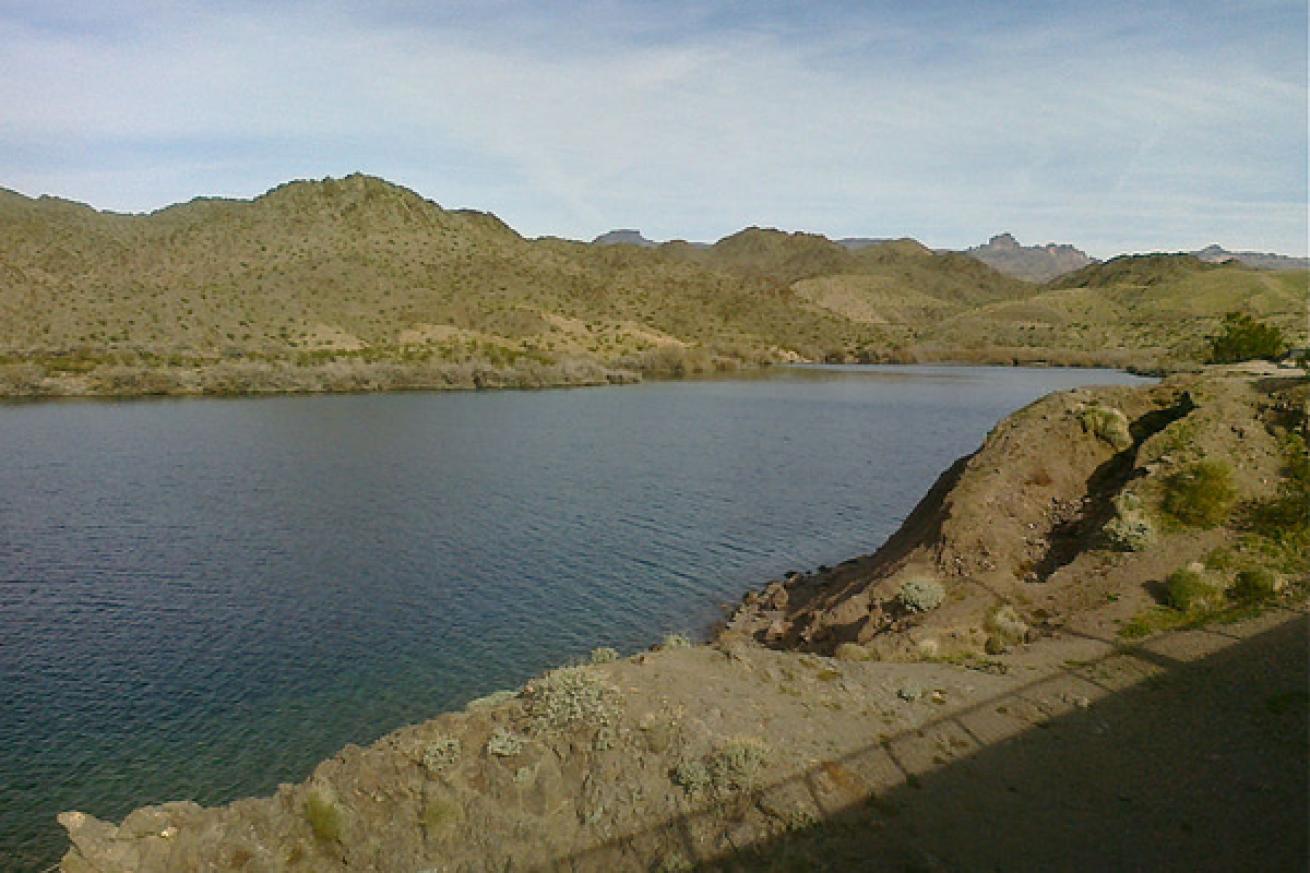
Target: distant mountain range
<point>1216,254</point>
<point>1007,255</point>
<point>624,237</point>
<point>1034,263</point>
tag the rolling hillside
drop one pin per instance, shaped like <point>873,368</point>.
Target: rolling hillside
<point>357,284</point>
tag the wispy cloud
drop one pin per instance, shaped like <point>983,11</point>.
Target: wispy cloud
<point>1134,128</point>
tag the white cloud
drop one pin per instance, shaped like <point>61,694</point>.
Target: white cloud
<point>1050,131</point>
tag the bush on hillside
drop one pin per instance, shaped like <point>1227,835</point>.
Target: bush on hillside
<point>736,765</point>
<point>1255,586</point>
<point>1188,591</point>
<point>1201,494</point>
<point>1131,529</point>
<point>1242,338</point>
<point>921,595</point>
<point>1107,424</point>
<point>1286,517</point>
<point>569,696</point>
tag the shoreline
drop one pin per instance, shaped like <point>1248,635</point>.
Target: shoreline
<point>281,377</point>
<point>471,805</point>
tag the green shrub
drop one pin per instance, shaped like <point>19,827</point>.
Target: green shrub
<point>604,655</point>
<point>692,776</point>
<point>1221,559</point>
<point>1187,590</point>
<point>441,754</point>
<point>1242,338</point>
<point>1255,586</point>
<point>1108,425</point>
<point>1004,624</point>
<point>504,743</point>
<point>323,816</point>
<point>675,641</point>
<point>921,595</point>
<point>736,765</point>
<point>1286,518</point>
<point>569,696</point>
<point>1201,494</point>
<point>1131,529</point>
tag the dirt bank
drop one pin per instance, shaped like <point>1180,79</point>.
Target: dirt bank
<point>999,712</point>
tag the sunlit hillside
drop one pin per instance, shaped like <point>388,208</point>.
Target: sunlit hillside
<point>359,271</point>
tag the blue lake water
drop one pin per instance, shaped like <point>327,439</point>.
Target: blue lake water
<point>200,598</point>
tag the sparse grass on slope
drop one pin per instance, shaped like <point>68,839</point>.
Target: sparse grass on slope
<point>363,275</point>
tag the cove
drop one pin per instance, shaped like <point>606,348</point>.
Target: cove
<point>200,598</point>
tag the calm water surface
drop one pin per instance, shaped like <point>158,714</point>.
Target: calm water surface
<point>203,598</point>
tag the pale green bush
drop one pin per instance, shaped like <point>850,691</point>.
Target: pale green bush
<point>1131,529</point>
<point>675,641</point>
<point>1200,495</point>
<point>604,655</point>
<point>569,696</point>
<point>504,743</point>
<point>1004,624</point>
<point>692,776</point>
<point>921,595</point>
<point>441,754</point>
<point>1107,424</point>
<point>736,765</point>
<point>1188,590</point>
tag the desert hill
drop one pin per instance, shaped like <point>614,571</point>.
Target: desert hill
<point>359,284</point>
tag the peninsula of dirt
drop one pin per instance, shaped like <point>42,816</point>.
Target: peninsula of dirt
<point>1085,649</point>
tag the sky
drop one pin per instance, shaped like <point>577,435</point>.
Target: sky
<point>1115,126</point>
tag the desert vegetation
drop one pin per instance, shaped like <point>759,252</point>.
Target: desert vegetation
<point>1242,338</point>
<point>357,285</point>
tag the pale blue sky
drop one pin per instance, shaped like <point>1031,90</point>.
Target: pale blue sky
<point>1115,126</point>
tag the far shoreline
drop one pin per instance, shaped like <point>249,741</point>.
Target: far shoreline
<point>283,378</point>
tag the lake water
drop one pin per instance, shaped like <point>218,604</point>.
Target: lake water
<point>200,598</point>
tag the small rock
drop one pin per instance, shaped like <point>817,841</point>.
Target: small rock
<point>910,692</point>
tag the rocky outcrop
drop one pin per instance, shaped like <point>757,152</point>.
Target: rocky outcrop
<point>1217,254</point>
<point>624,237</point>
<point>1054,500</point>
<point>1034,263</point>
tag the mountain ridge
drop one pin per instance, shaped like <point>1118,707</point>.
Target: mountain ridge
<point>360,284</point>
